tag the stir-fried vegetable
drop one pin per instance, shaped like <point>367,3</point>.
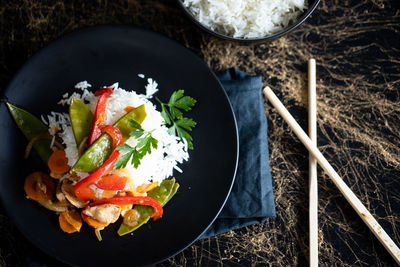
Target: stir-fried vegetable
<point>92,222</point>
<point>146,187</point>
<point>97,153</point>
<point>162,193</point>
<point>99,114</point>
<point>32,127</point>
<point>58,162</point>
<point>38,186</point>
<point>112,182</point>
<point>105,194</point>
<point>70,221</point>
<point>126,200</point>
<point>82,189</point>
<point>81,120</point>
<point>54,206</point>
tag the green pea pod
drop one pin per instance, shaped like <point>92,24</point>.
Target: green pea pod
<point>100,150</point>
<point>81,120</point>
<point>162,193</point>
<point>32,127</point>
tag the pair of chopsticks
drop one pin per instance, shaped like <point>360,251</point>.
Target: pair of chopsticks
<point>317,156</point>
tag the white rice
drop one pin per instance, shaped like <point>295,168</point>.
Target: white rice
<point>151,88</point>
<point>156,166</point>
<point>83,85</point>
<point>246,18</point>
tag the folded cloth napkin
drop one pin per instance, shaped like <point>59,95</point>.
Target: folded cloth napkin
<point>251,200</point>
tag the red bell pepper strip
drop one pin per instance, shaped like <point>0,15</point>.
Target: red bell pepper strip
<point>99,113</point>
<point>112,182</point>
<point>115,134</point>
<point>82,189</point>
<point>127,200</point>
<point>103,90</point>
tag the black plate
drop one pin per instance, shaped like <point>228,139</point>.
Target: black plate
<point>103,55</point>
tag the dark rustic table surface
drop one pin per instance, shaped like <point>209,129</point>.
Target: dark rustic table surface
<point>357,48</point>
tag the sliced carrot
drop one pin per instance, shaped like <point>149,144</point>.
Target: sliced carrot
<point>39,186</point>
<point>65,225</point>
<point>112,182</point>
<point>146,187</point>
<point>92,222</point>
<point>58,162</point>
<point>74,219</point>
<point>128,108</point>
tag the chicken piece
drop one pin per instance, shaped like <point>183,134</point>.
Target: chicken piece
<point>105,213</point>
<point>68,189</point>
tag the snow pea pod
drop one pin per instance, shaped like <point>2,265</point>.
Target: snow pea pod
<point>162,193</point>
<point>81,120</point>
<point>101,149</point>
<point>32,127</point>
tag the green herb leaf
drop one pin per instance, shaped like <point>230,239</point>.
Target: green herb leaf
<point>154,142</point>
<point>175,96</point>
<point>173,116</point>
<point>182,102</point>
<point>186,103</point>
<point>136,125</point>
<point>145,142</point>
<point>172,130</point>
<point>186,123</point>
<point>183,134</point>
<point>141,142</point>
<point>136,157</point>
<point>122,161</point>
<point>165,114</point>
<point>175,113</point>
<point>136,134</point>
<point>146,148</point>
<point>124,148</point>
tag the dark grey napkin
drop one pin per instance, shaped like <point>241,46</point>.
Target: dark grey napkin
<point>251,200</point>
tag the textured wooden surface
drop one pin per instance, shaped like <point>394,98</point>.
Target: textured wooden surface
<point>356,45</point>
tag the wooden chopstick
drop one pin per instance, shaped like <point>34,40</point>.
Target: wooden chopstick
<point>312,166</point>
<point>357,205</point>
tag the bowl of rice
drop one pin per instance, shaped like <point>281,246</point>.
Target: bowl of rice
<point>248,20</point>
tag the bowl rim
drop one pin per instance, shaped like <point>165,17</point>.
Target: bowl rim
<point>305,15</point>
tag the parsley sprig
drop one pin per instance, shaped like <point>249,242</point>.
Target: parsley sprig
<point>173,116</point>
<point>145,141</point>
